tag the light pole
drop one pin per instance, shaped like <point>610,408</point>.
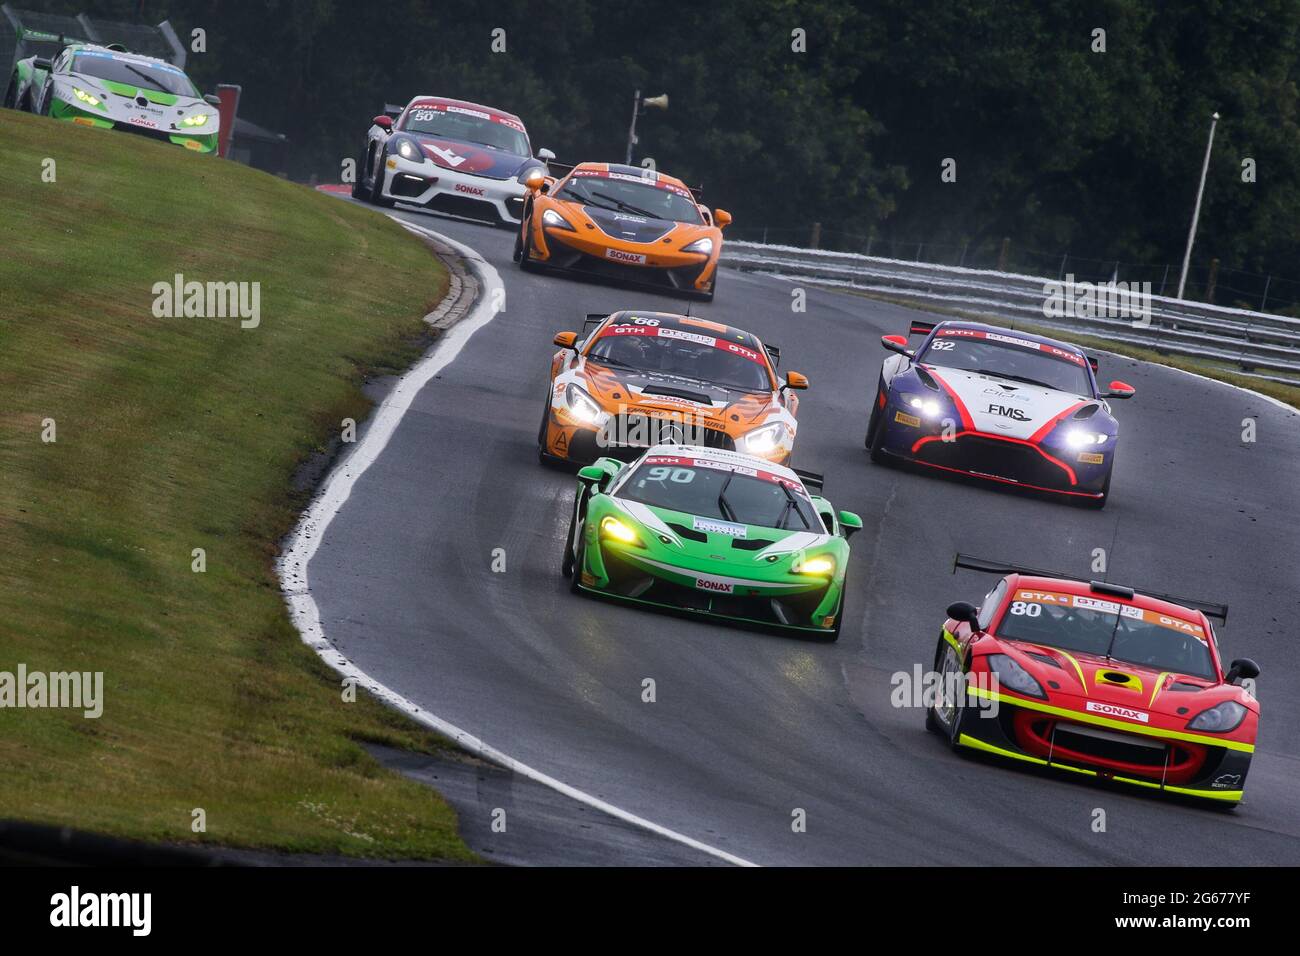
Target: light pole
<point>659,102</point>
<point>1196,212</point>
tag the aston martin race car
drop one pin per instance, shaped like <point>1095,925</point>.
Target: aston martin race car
<point>1007,407</point>
<point>1096,679</point>
<point>714,533</point>
<point>631,380</point>
<point>108,88</point>
<point>625,223</point>
<point>450,156</point>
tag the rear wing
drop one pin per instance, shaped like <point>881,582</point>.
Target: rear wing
<point>921,328</point>
<point>1211,609</point>
<point>774,354</point>
<point>811,479</point>
<point>393,110</point>
<point>1092,362</point>
<point>591,320</point>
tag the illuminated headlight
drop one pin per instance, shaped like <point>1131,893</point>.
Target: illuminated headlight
<point>409,151</point>
<point>611,527</point>
<point>1014,676</point>
<point>927,406</point>
<point>1078,438</point>
<point>582,405</point>
<point>763,440</point>
<point>552,218</point>
<point>703,246</point>
<point>90,99</point>
<point>822,565</point>
<point>197,120</point>
<point>1219,719</point>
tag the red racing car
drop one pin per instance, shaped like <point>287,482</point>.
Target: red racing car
<point>1096,679</point>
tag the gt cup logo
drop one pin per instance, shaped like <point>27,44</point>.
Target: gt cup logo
<point>618,255</point>
<point>1114,710</point>
<point>1008,411</point>
<point>709,584</point>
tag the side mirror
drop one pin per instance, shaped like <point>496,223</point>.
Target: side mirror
<point>964,612</point>
<point>384,122</point>
<point>1242,668</point>
<point>41,63</point>
<point>722,218</point>
<point>212,99</point>
<point>566,340</point>
<point>850,523</point>
<point>545,155</point>
<point>896,343</point>
<point>534,178</point>
<point>1120,390</point>
<point>795,380</point>
<point>592,475</point>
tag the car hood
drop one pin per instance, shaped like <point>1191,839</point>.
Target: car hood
<point>475,159</point>
<point>643,390</point>
<point>141,105</point>
<point>730,543</point>
<point>629,227</point>
<point>1007,408</point>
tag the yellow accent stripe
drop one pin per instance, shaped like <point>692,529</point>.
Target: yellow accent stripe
<point>1078,670</point>
<point>1087,718</point>
<point>966,740</point>
<point>947,636</point>
<point>1160,682</point>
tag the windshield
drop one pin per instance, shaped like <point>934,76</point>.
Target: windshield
<point>630,195</point>
<point>1108,629</point>
<point>1032,363</point>
<point>466,126</point>
<point>704,358</point>
<point>151,76</point>
<point>713,490</point>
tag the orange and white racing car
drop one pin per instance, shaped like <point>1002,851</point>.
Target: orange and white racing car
<point>633,380</point>
<point>622,222</point>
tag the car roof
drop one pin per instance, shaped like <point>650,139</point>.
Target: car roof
<point>721,456</point>
<point>426,99</point>
<point>689,323</point>
<point>654,177</point>
<point>1013,333</point>
<point>1085,589</point>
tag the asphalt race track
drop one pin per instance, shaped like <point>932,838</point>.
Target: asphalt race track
<point>748,727</point>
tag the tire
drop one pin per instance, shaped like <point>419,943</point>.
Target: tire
<point>358,184</point>
<point>568,564</point>
<point>874,422</point>
<point>377,187</point>
<point>544,456</point>
<point>526,250</point>
<point>579,559</point>
<point>877,446</point>
<point>949,726</point>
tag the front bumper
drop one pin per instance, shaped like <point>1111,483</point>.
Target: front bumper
<point>197,142</point>
<point>445,190</point>
<point>663,271</point>
<point>1071,740</point>
<point>993,457</point>
<point>642,576</point>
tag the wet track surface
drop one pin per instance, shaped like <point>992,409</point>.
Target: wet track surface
<point>748,727</point>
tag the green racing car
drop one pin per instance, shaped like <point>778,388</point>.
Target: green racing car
<point>711,532</point>
<point>108,88</point>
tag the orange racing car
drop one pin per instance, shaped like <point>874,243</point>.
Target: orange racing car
<point>632,380</point>
<point>625,223</point>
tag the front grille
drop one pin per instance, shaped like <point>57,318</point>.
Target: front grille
<point>647,430</point>
<point>990,456</point>
<point>464,206</point>
<point>1112,748</point>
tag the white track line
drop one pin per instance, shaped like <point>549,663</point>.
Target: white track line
<point>335,491</point>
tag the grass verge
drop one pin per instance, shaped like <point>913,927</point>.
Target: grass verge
<point>176,434</point>
<point>1288,394</point>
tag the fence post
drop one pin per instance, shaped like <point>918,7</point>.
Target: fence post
<point>765,235</point>
<point>1061,277</point>
<point>1264,301</point>
<point>1209,283</point>
<point>815,241</point>
<point>1002,256</point>
<point>918,252</point>
<point>962,262</point>
<point>1164,280</point>
<point>871,237</point>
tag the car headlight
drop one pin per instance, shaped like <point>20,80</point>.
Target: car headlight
<point>703,246</point>
<point>582,405</point>
<point>611,527</point>
<point>90,99</point>
<point>823,564</point>
<point>196,120</point>
<point>409,151</point>
<point>552,218</point>
<point>1014,676</point>
<point>1080,438</point>
<point>1220,718</point>
<point>763,440</point>
<point>929,407</point>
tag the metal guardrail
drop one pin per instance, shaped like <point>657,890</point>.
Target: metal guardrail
<point>1261,344</point>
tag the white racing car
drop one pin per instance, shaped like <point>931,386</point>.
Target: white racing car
<point>450,156</point>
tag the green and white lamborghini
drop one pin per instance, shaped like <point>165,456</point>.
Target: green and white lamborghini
<point>711,532</point>
<point>109,88</point>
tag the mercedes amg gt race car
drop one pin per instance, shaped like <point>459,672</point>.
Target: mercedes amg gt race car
<point>1096,679</point>
<point>711,532</point>
<point>626,223</point>
<point>636,379</point>
<point>108,88</point>
<point>450,156</point>
<point>1008,407</point>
